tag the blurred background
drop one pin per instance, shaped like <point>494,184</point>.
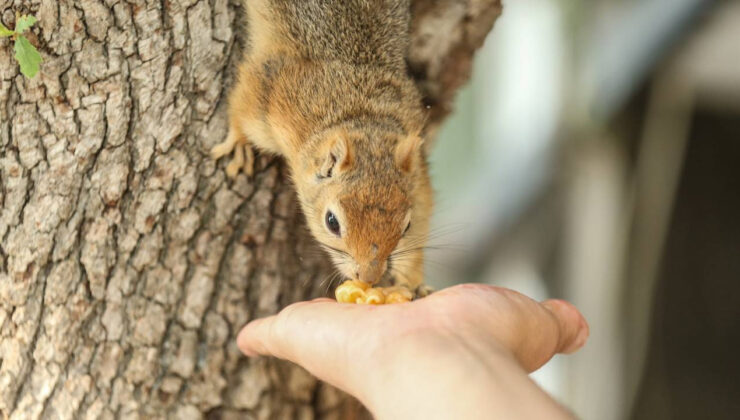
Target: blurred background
<point>595,157</point>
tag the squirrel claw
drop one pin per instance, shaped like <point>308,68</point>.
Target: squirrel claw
<point>232,169</point>
<point>223,148</point>
<point>249,160</point>
<point>423,291</point>
<point>243,155</point>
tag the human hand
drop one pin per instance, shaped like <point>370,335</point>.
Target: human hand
<point>462,352</point>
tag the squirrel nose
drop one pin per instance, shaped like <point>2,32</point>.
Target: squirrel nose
<point>368,278</point>
<point>372,272</point>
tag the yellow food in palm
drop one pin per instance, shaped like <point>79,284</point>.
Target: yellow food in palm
<point>355,291</point>
<point>351,291</point>
<point>396,297</point>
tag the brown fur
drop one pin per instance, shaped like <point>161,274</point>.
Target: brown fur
<point>324,84</point>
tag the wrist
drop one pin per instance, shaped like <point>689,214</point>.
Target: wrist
<point>431,376</point>
<point>445,377</point>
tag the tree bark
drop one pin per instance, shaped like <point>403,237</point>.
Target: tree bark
<point>128,262</point>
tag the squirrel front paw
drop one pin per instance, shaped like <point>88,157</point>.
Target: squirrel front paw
<point>423,291</point>
<point>243,155</point>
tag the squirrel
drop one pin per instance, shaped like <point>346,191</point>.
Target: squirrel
<point>325,84</point>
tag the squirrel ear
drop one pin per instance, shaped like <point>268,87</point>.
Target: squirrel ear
<point>407,152</point>
<point>339,157</point>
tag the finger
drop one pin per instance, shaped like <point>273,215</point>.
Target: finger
<point>263,337</point>
<point>572,326</point>
<point>250,339</point>
<point>326,338</point>
<point>304,332</point>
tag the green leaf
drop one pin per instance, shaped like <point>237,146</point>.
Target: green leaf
<point>5,31</point>
<point>24,22</point>
<point>27,57</point>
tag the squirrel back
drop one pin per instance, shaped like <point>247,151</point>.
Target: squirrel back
<point>353,31</point>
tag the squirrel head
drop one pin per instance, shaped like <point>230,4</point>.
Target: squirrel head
<point>356,188</point>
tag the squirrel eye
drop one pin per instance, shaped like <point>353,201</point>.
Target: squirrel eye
<point>407,229</point>
<point>332,223</point>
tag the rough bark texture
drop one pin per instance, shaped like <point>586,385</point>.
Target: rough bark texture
<point>127,261</point>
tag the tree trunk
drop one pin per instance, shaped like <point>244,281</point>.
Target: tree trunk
<point>128,262</point>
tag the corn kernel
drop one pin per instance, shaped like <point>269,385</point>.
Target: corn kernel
<point>396,297</point>
<point>374,297</point>
<point>355,291</point>
<point>349,292</point>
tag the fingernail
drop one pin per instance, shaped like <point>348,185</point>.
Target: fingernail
<point>581,338</point>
